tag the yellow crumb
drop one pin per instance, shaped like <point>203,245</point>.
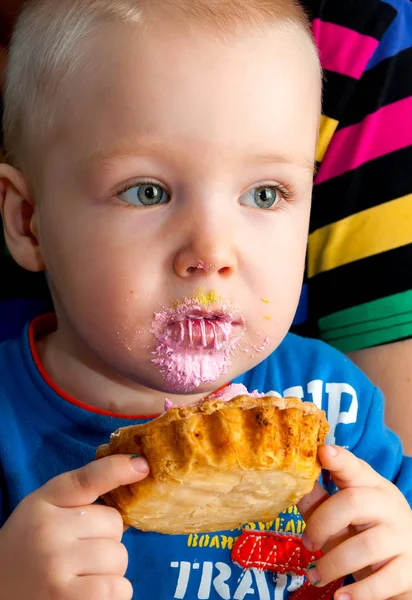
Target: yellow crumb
<point>265,300</point>
<point>268,318</point>
<point>206,298</point>
<point>201,297</point>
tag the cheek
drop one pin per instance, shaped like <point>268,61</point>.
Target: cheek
<point>98,278</point>
<point>104,305</point>
<point>278,282</point>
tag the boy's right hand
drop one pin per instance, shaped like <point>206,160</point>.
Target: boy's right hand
<point>59,545</point>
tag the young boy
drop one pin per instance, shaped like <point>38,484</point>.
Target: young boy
<point>171,217</point>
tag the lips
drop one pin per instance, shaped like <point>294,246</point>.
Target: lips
<point>200,332</point>
<point>198,329</point>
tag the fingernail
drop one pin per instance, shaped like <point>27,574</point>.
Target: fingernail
<point>312,574</point>
<point>332,450</point>
<point>343,596</point>
<point>307,542</point>
<point>139,464</point>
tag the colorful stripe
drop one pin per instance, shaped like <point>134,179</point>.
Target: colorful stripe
<point>327,129</point>
<point>387,130</point>
<point>360,282</point>
<point>362,188</point>
<point>364,234</point>
<point>367,17</point>
<point>343,50</point>
<point>369,324</point>
<point>399,35</point>
<point>373,91</point>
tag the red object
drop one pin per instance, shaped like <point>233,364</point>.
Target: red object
<point>280,553</point>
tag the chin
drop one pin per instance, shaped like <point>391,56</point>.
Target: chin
<point>205,389</point>
<point>185,389</point>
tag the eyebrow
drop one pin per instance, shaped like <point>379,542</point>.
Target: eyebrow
<point>124,150</point>
<point>155,148</point>
<point>300,161</point>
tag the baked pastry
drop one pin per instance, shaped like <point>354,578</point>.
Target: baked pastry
<point>219,464</point>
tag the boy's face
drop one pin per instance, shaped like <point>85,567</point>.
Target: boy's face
<point>192,275</point>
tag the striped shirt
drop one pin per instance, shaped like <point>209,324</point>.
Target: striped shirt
<point>359,267</point>
<point>358,290</point>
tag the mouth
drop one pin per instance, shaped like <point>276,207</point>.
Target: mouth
<point>199,329</point>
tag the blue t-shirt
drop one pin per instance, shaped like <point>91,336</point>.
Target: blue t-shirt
<point>42,435</point>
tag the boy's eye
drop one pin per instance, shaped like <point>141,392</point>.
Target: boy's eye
<point>144,194</point>
<point>261,197</point>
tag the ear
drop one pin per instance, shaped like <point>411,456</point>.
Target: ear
<point>17,208</point>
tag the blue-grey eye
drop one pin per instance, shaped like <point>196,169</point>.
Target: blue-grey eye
<point>145,194</point>
<point>261,197</point>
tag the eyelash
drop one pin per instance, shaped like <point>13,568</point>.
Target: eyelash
<point>287,193</point>
<point>134,184</point>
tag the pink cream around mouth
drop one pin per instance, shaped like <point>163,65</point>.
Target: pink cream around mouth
<point>194,344</point>
<point>193,327</point>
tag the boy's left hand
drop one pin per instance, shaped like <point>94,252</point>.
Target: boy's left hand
<point>364,530</point>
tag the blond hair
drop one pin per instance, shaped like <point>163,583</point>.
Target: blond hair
<point>50,43</point>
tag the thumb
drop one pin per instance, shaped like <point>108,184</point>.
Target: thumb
<point>346,469</point>
<point>86,485</point>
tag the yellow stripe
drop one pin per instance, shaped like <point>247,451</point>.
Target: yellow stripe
<point>367,233</point>
<point>327,129</point>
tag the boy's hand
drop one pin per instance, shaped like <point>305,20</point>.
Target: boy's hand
<point>58,545</point>
<point>364,530</point>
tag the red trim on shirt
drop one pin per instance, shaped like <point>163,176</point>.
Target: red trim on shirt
<point>44,325</point>
<point>223,387</point>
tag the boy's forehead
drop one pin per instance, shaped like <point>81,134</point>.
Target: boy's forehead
<point>142,88</point>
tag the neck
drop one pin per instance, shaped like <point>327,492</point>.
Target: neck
<point>93,385</point>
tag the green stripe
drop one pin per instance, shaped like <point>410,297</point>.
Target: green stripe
<point>370,324</point>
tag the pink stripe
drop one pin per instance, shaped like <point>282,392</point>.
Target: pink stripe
<point>387,130</point>
<point>342,50</point>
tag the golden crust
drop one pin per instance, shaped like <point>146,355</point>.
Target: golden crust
<point>218,465</point>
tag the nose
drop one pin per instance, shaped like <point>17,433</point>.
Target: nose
<point>208,249</point>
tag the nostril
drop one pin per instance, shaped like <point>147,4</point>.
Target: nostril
<point>200,266</point>
<point>225,271</point>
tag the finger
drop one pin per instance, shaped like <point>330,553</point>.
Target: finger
<point>85,485</point>
<point>96,521</point>
<point>310,503</point>
<point>353,506</point>
<point>100,557</point>
<point>347,470</point>
<point>356,553</point>
<point>100,588</point>
<point>383,584</point>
